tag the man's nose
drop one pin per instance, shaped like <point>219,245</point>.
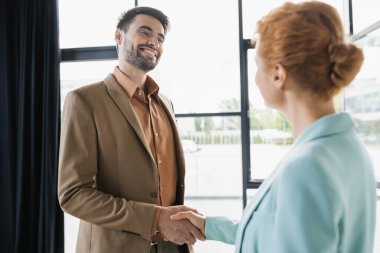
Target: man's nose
<point>153,42</point>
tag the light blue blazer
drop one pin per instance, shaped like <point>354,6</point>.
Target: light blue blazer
<point>321,198</point>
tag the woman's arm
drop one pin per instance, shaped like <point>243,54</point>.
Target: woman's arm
<point>214,228</point>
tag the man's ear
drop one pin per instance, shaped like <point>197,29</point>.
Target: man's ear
<point>118,36</point>
<point>279,76</point>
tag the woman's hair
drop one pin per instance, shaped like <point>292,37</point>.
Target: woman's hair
<point>308,40</point>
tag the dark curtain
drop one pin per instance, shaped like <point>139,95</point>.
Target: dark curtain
<point>30,217</point>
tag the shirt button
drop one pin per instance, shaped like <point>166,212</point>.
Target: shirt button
<point>156,134</point>
<point>140,92</point>
<point>159,161</point>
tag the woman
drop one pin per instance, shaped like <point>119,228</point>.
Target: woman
<point>321,197</point>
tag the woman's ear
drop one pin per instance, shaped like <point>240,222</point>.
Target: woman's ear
<point>279,76</point>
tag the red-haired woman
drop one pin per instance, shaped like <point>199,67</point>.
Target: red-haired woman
<point>321,197</point>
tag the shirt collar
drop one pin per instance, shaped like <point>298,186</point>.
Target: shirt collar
<point>152,87</point>
<point>132,88</point>
<point>328,125</point>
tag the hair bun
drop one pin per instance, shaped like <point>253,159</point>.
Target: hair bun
<point>346,60</point>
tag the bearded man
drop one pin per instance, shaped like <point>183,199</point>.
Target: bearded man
<point>121,165</point>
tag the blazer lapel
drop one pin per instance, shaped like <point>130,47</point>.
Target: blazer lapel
<point>255,202</point>
<point>248,211</point>
<point>123,103</point>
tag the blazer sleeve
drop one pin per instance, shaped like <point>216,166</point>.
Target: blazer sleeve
<point>77,171</point>
<point>221,229</point>
<point>308,210</point>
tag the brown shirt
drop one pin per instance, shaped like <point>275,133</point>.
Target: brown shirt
<point>158,132</point>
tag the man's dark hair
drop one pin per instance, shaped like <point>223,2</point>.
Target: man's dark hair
<point>127,17</point>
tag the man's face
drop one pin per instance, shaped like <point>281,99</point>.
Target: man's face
<point>141,45</point>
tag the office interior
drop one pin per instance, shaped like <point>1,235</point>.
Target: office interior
<point>232,141</point>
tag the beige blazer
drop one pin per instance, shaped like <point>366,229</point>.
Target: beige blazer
<point>107,174</point>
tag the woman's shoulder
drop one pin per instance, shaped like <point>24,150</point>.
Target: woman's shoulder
<point>308,165</point>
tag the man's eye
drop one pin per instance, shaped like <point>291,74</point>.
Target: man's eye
<point>145,33</point>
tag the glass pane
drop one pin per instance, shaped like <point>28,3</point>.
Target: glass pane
<point>212,148</point>
<point>71,232</point>
<point>200,65</point>
<point>362,101</point>
<point>255,10</point>
<point>88,23</point>
<point>229,207</point>
<point>77,74</point>
<point>372,39</point>
<point>365,13</point>
<point>270,132</point>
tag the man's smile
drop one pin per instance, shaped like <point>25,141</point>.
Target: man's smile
<point>149,51</point>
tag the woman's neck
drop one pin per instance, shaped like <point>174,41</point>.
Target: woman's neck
<point>303,112</point>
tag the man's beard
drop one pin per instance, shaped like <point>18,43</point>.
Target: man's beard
<point>132,56</point>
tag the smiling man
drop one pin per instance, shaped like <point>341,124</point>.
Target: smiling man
<point>121,166</point>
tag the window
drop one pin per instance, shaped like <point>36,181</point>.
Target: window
<point>362,98</point>
<point>365,13</point>
<point>199,69</point>
<point>89,23</point>
<point>77,74</point>
<point>212,148</point>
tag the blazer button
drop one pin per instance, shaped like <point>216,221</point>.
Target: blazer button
<point>154,195</point>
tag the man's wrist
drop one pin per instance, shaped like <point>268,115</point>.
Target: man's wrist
<point>156,217</point>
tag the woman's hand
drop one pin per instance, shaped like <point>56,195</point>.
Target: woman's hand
<point>196,219</point>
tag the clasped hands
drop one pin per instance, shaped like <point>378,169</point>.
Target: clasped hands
<point>181,224</point>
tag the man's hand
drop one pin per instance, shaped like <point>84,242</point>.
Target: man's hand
<point>196,219</point>
<point>178,232</point>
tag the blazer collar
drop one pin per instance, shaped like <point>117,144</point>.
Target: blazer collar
<point>328,125</point>
<point>131,87</point>
<point>122,101</point>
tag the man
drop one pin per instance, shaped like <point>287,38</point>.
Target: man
<point>121,167</point>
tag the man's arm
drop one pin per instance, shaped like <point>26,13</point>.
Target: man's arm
<point>76,179</point>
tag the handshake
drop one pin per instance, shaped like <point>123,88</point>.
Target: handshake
<point>181,224</point>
